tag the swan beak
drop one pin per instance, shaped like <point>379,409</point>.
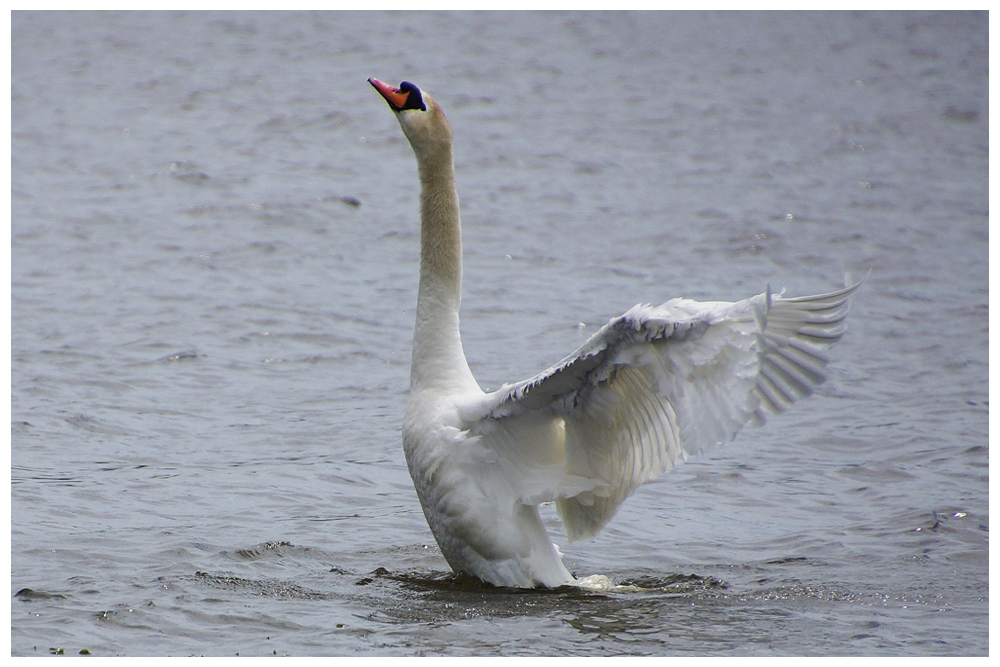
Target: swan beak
<point>395,97</point>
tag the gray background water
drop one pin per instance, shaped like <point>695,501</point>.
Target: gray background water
<point>214,246</point>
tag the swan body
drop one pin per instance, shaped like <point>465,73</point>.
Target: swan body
<point>646,391</point>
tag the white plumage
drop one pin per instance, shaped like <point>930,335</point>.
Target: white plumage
<point>646,391</point>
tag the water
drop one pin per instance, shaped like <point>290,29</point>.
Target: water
<point>214,243</point>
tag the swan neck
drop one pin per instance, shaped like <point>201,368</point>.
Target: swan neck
<point>438,358</point>
<point>441,228</point>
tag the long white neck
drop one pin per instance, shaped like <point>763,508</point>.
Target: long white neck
<point>438,358</point>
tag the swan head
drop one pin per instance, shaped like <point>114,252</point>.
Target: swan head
<point>418,114</point>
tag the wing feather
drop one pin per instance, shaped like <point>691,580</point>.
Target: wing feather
<point>653,387</point>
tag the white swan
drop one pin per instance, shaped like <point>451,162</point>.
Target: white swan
<point>646,391</point>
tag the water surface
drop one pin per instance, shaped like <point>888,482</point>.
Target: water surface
<point>214,245</point>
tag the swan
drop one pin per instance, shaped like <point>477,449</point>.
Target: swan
<point>646,391</point>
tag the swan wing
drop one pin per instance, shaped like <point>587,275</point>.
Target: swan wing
<point>649,389</point>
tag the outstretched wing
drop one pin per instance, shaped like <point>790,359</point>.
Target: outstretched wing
<point>651,388</point>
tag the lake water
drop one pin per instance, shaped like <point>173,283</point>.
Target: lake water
<point>214,246</point>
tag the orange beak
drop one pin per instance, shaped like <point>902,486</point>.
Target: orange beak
<point>395,98</point>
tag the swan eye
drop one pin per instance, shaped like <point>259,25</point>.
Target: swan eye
<point>414,100</point>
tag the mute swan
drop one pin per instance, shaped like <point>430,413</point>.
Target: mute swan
<point>652,387</point>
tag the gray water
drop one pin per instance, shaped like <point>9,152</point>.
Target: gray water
<point>214,245</point>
